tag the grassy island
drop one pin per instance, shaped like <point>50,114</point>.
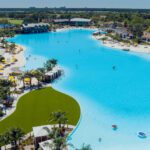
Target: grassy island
<point>35,107</point>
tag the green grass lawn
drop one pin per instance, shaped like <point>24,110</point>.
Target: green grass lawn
<point>16,21</point>
<point>34,109</point>
<point>13,21</point>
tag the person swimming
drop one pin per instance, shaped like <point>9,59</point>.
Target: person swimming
<point>114,67</point>
<point>76,67</point>
<point>100,139</point>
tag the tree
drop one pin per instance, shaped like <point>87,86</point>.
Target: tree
<point>50,64</point>
<point>59,134</point>
<point>1,58</point>
<point>148,30</point>
<point>5,89</point>
<point>59,140</point>
<point>53,62</point>
<point>1,141</point>
<point>85,147</point>
<point>29,75</point>
<point>38,75</point>
<point>15,135</point>
<point>4,42</point>
<point>59,117</point>
<point>5,139</point>
<point>12,47</point>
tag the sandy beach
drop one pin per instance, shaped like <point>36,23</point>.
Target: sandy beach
<point>71,28</point>
<point>19,57</point>
<point>123,46</point>
<point>110,43</point>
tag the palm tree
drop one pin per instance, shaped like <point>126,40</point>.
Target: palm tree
<point>12,47</point>
<point>48,65</point>
<point>1,141</point>
<point>15,135</point>
<point>53,62</point>
<point>5,138</point>
<point>5,90</point>
<point>38,75</point>
<point>85,147</point>
<point>21,78</point>
<point>59,142</point>
<point>59,117</point>
<point>4,42</point>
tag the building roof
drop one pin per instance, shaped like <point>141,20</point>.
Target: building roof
<point>45,145</point>
<point>61,20</point>
<point>41,131</point>
<point>30,25</point>
<point>146,35</point>
<point>54,70</point>
<point>80,20</point>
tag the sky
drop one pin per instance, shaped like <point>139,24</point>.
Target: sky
<point>76,3</point>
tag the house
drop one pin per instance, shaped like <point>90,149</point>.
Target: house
<point>62,21</point>
<point>35,28</point>
<point>71,22</point>
<point>80,22</point>
<point>146,36</point>
<point>123,33</point>
<point>41,134</point>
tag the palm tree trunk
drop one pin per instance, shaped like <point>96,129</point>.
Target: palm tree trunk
<point>30,82</point>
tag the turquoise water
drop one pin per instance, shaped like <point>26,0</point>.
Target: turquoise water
<point>106,96</point>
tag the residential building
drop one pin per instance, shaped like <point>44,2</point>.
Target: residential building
<point>35,28</point>
<point>62,21</point>
<point>80,22</point>
<point>146,36</point>
<point>71,22</point>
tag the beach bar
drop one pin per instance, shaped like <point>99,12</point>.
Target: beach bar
<point>53,74</point>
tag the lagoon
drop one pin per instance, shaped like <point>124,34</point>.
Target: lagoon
<point>106,96</point>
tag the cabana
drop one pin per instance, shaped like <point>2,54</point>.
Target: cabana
<point>41,133</point>
<point>27,80</point>
<point>12,79</point>
<point>45,145</point>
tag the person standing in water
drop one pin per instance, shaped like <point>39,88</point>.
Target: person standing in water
<point>114,67</point>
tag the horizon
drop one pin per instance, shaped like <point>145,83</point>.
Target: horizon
<point>108,4</point>
<point>63,7</point>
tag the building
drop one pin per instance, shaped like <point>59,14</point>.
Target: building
<point>41,134</point>
<point>35,28</point>
<point>62,21</point>
<point>71,22</point>
<point>146,36</point>
<point>121,32</point>
<point>45,145</point>
<point>80,22</point>
<point>124,33</point>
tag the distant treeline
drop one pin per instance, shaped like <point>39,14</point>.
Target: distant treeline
<point>31,9</point>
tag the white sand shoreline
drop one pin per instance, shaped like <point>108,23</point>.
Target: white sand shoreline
<point>109,43</point>
<point>21,61</point>
<point>72,28</point>
<point>123,46</point>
